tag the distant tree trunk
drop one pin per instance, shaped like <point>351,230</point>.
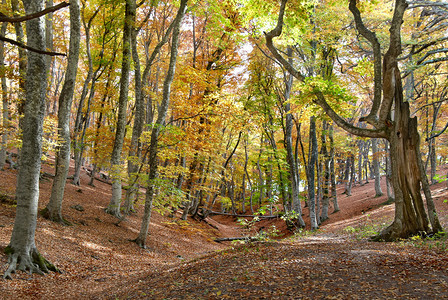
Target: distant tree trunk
<point>360,157</point>
<point>376,168</point>
<point>292,162</point>
<point>81,118</point>
<point>22,251</point>
<point>53,210</point>
<point>346,178</point>
<point>5,108</point>
<point>260,175</point>
<point>326,177</point>
<point>334,195</point>
<point>243,184</point>
<point>141,239</point>
<point>115,201</point>
<point>365,154</point>
<point>310,174</point>
<point>390,189</point>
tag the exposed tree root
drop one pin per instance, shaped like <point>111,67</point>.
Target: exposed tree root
<point>30,262</point>
<point>140,243</point>
<point>395,232</point>
<point>55,218</point>
<point>114,212</point>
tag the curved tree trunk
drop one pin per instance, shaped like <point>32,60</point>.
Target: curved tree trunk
<point>22,251</point>
<point>54,207</point>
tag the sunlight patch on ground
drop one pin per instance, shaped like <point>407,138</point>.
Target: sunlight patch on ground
<point>94,246</point>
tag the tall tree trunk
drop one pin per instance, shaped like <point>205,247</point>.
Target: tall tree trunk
<point>326,176</point>
<point>115,201</point>
<point>22,251</point>
<point>5,108</point>
<point>292,162</point>
<point>54,207</point>
<point>334,195</point>
<point>80,120</point>
<point>310,175</point>
<point>390,189</point>
<point>135,151</point>
<point>376,168</point>
<point>141,239</point>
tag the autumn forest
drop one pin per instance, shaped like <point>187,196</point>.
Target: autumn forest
<point>251,109</point>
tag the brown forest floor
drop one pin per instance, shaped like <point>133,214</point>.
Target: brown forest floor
<point>182,261</point>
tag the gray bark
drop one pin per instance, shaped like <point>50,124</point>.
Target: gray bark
<point>78,136</point>
<point>53,209</point>
<point>23,254</point>
<point>376,168</point>
<point>115,201</point>
<point>292,162</point>
<point>334,195</point>
<point>141,239</point>
<point>390,190</point>
<point>326,173</point>
<point>5,106</point>
<point>311,175</point>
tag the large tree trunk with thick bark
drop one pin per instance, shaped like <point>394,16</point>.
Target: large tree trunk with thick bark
<point>408,176</point>
<point>407,179</point>
<point>22,251</point>
<point>54,208</point>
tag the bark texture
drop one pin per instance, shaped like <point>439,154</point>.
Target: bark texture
<point>115,201</point>
<point>53,209</point>
<point>23,254</point>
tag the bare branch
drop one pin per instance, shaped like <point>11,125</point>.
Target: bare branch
<point>21,45</point>
<point>4,18</point>
<point>436,135</point>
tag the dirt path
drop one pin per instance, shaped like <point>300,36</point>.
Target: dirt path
<point>319,267</point>
<point>183,261</point>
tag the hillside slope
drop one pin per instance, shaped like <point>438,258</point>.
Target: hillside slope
<point>98,259</point>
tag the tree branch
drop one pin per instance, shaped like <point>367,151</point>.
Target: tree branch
<point>372,38</point>
<point>4,18</point>
<point>437,134</point>
<point>320,98</point>
<point>21,45</point>
<point>277,31</point>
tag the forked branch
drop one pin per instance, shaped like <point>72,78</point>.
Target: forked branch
<point>320,97</point>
